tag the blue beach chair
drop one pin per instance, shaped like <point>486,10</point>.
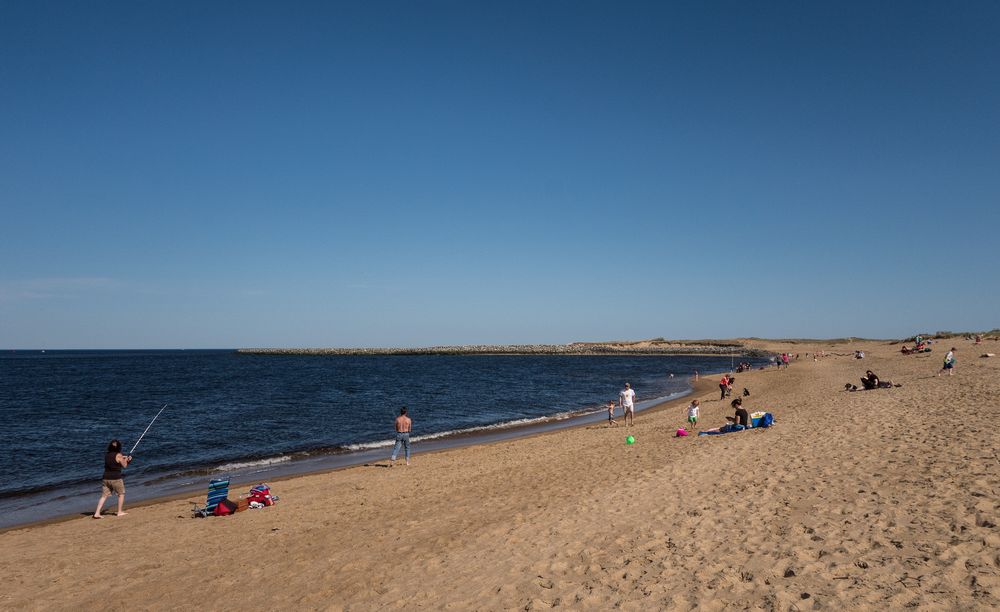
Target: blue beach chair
<point>218,490</point>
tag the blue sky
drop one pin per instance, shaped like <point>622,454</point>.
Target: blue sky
<point>418,173</point>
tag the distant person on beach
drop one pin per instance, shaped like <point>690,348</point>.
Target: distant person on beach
<point>626,399</point>
<point>611,413</point>
<point>949,363</point>
<point>723,385</point>
<point>729,385</point>
<point>784,360</point>
<point>742,416</point>
<point>113,480</point>
<point>693,413</point>
<point>696,376</point>
<point>403,427</point>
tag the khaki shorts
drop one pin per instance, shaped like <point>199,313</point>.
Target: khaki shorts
<point>113,486</point>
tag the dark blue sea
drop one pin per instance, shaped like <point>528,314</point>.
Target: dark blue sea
<point>256,417</point>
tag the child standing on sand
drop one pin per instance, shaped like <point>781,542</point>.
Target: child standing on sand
<point>611,414</point>
<point>693,414</point>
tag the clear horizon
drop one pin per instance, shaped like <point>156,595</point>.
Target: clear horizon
<point>380,175</point>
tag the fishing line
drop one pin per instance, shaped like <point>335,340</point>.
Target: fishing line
<point>147,428</point>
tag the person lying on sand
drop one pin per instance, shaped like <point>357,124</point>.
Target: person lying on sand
<point>871,381</point>
<point>730,426</point>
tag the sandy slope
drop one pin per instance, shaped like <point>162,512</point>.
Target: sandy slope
<point>867,500</point>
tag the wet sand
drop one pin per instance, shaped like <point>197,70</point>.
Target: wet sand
<point>868,500</point>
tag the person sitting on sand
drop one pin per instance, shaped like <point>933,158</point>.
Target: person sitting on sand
<point>869,380</point>
<point>693,413</point>
<point>113,480</point>
<point>611,414</point>
<point>742,416</point>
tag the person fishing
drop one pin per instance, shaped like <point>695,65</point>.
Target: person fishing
<point>115,461</point>
<point>113,480</point>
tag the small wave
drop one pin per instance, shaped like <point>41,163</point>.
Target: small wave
<point>562,416</point>
<point>240,465</point>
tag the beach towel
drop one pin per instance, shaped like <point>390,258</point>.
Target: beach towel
<point>727,428</point>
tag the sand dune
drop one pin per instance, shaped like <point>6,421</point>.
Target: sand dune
<point>868,500</point>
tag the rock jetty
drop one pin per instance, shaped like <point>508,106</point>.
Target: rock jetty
<point>577,348</point>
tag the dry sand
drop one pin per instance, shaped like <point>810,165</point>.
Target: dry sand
<point>869,500</point>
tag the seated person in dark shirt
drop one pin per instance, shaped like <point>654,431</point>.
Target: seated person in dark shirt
<point>742,416</point>
<point>869,380</point>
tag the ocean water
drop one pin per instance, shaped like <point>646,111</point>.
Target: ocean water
<point>258,416</point>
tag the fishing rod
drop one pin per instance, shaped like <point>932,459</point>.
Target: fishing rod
<point>147,429</point>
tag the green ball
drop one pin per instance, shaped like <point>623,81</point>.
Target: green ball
<point>630,440</point>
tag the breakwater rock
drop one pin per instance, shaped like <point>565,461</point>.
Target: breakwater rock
<point>576,348</point>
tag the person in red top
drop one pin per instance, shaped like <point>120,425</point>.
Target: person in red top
<point>724,386</point>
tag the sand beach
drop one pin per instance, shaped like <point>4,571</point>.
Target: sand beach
<point>880,499</point>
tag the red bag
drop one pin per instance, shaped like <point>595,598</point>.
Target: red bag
<point>261,494</point>
<point>225,508</point>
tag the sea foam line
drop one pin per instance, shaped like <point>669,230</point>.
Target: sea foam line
<point>239,465</point>
<point>562,416</point>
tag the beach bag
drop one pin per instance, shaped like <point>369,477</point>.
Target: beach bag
<point>225,508</point>
<point>261,494</point>
<point>767,420</point>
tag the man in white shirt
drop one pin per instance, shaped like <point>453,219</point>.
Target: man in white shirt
<point>626,399</point>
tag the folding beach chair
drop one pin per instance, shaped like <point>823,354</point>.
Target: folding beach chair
<point>218,490</point>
